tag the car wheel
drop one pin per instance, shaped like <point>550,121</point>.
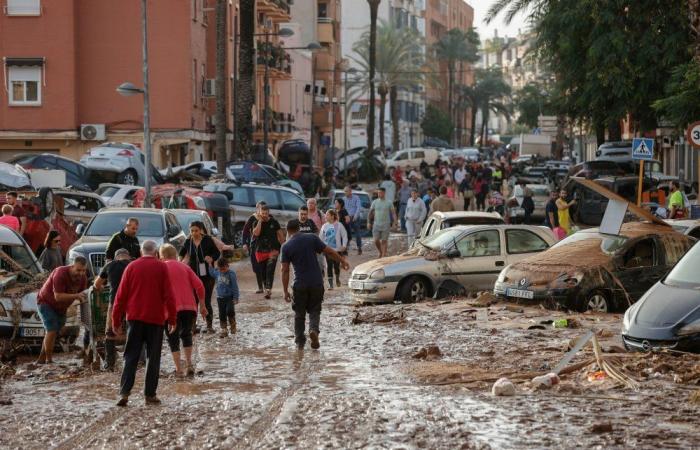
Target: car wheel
<point>46,197</point>
<point>238,236</point>
<point>414,289</point>
<point>128,177</point>
<point>597,301</point>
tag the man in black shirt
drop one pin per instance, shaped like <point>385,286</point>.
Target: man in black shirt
<point>125,239</point>
<point>112,273</point>
<point>268,237</point>
<point>551,212</point>
<point>306,225</point>
<point>249,245</point>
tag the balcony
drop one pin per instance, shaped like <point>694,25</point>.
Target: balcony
<point>277,10</point>
<point>278,60</point>
<point>280,123</point>
<point>326,30</point>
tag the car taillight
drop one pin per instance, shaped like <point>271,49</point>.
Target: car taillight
<point>125,153</point>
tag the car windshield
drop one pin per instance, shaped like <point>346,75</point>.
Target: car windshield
<point>185,219</point>
<point>685,272</point>
<point>21,256</point>
<point>609,244</point>
<point>442,238</point>
<point>107,224</point>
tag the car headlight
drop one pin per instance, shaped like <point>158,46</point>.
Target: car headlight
<point>199,202</point>
<point>377,274</point>
<point>626,320</point>
<point>691,328</point>
<point>3,312</point>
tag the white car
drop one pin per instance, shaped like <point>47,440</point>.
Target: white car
<point>204,169</point>
<point>20,282</point>
<point>117,195</point>
<point>124,161</point>
<point>412,157</point>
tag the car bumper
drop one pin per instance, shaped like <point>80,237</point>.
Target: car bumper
<point>372,292</point>
<point>689,343</point>
<point>560,296</point>
<point>33,335</point>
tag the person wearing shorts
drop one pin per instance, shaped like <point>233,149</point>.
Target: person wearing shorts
<point>381,219</point>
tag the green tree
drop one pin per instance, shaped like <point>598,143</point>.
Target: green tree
<point>455,47</point>
<point>436,123</point>
<point>398,65</point>
<point>493,94</point>
<point>532,101</point>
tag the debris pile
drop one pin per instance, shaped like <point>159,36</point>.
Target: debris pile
<point>429,352</point>
<point>382,317</point>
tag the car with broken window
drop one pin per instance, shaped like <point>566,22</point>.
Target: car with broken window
<point>668,315</point>
<point>440,220</point>
<point>594,271</point>
<point>466,258</point>
<point>21,277</point>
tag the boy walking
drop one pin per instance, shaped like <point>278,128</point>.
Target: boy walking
<point>227,294</point>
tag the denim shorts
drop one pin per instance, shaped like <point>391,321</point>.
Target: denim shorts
<point>53,320</point>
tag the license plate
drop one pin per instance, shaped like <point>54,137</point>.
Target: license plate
<point>520,293</point>
<point>31,332</point>
<point>356,285</point>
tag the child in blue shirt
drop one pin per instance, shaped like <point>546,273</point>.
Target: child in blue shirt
<point>226,294</point>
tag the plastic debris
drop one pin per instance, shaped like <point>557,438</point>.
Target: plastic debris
<point>503,387</point>
<point>547,380</point>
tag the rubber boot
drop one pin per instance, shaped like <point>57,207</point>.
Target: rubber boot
<point>232,322</point>
<point>224,330</point>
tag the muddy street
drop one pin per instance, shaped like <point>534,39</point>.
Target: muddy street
<point>374,383</point>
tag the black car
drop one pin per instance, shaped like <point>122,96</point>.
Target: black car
<point>77,175</point>
<point>668,315</point>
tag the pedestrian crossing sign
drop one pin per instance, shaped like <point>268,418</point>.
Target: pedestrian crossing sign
<point>643,149</point>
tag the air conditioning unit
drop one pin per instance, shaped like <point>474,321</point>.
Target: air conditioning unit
<point>209,87</point>
<point>92,132</point>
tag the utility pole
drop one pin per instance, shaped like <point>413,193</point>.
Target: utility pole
<point>146,107</point>
<point>312,141</point>
<point>234,92</point>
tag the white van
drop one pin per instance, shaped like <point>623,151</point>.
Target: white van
<point>412,157</point>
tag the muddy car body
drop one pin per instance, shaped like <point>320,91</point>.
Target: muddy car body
<point>594,271</point>
<point>668,315</point>
<point>21,277</point>
<point>470,256</point>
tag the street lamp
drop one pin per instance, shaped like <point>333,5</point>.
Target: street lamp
<point>128,89</point>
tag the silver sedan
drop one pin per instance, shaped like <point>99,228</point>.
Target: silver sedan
<point>470,256</point>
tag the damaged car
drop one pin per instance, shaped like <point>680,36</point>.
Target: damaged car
<point>21,277</point>
<point>668,315</point>
<point>593,271</point>
<point>463,258</point>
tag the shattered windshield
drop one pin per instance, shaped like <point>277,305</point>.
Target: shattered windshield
<point>20,255</point>
<point>685,273</point>
<point>441,239</point>
<point>609,244</point>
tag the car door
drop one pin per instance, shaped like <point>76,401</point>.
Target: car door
<point>521,243</point>
<point>480,260</point>
<point>640,266</point>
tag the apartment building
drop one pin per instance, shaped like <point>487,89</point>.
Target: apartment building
<point>63,59</point>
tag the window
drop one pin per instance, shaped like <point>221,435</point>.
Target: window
<point>641,255</point>
<point>419,155</point>
<point>25,85</point>
<point>240,196</point>
<point>23,7</point>
<point>291,201</point>
<point>269,196</point>
<point>481,243</point>
<point>429,229</point>
<point>322,9</point>
<point>523,241</point>
<point>401,156</point>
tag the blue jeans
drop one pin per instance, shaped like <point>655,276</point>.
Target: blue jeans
<point>227,308</point>
<point>355,227</point>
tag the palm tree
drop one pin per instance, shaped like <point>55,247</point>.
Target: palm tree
<point>398,65</point>
<point>469,97</point>
<point>373,11</point>
<point>493,94</point>
<point>456,46</point>
<point>246,78</point>
<point>220,118</point>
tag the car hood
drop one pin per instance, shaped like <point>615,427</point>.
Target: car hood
<point>28,302</point>
<point>665,306</point>
<point>391,264</point>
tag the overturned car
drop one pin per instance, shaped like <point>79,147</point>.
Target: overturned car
<point>594,271</point>
<point>21,277</point>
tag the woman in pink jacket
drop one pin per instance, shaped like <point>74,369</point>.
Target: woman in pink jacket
<point>184,282</point>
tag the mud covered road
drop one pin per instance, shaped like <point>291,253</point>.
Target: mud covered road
<point>364,387</point>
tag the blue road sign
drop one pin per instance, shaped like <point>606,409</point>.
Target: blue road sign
<point>643,149</point>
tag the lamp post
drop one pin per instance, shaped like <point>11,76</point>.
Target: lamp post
<point>128,89</point>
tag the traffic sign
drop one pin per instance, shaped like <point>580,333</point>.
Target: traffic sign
<point>643,149</point>
<point>693,134</point>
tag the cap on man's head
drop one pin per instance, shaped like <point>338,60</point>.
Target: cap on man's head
<point>122,252</point>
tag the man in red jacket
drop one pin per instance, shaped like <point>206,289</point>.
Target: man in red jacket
<point>145,295</point>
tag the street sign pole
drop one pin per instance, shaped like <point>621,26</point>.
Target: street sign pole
<point>642,150</point>
<point>693,136</point>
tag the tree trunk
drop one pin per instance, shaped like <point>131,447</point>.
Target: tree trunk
<point>450,93</point>
<point>394,108</point>
<point>220,119</point>
<point>485,124</point>
<point>246,80</point>
<point>382,91</point>
<point>472,133</point>
<point>373,7</point>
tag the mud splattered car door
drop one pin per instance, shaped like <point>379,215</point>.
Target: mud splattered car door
<point>640,266</point>
<point>479,261</point>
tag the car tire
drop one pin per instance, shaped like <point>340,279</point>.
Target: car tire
<point>238,235</point>
<point>47,203</point>
<point>597,300</point>
<point>129,177</point>
<point>413,289</point>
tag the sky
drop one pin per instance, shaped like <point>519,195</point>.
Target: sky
<point>481,7</point>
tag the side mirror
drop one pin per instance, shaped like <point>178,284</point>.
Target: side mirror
<point>173,231</point>
<point>453,253</point>
<point>80,229</point>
